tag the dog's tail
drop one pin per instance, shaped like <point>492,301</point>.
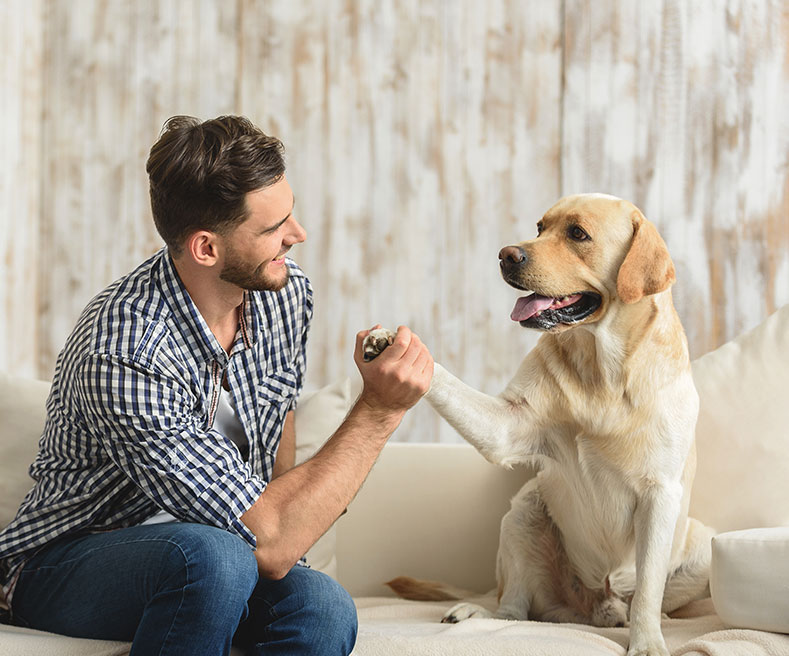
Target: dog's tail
<point>417,590</point>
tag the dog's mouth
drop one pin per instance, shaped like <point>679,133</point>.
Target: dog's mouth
<point>546,312</point>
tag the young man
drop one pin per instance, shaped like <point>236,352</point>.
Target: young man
<point>166,509</point>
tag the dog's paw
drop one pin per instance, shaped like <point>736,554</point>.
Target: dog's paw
<point>375,343</point>
<point>610,612</point>
<point>654,650</point>
<point>464,611</point>
<point>646,639</point>
<point>655,647</point>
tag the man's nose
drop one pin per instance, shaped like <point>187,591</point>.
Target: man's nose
<point>511,258</point>
<point>297,233</point>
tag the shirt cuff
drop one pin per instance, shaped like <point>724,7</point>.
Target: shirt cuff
<point>232,500</point>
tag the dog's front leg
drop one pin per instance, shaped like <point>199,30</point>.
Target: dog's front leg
<point>655,519</point>
<point>502,431</point>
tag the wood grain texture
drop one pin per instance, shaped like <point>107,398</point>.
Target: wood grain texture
<point>21,101</point>
<point>421,137</point>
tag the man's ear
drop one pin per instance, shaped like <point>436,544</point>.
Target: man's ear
<point>202,248</point>
<point>647,268</point>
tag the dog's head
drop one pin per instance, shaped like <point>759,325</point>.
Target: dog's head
<point>591,251</point>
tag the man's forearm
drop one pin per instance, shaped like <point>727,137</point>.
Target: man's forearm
<point>301,504</point>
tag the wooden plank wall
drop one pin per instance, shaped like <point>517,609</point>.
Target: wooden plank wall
<point>21,179</point>
<point>421,136</point>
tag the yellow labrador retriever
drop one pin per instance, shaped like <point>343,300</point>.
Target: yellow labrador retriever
<point>605,403</point>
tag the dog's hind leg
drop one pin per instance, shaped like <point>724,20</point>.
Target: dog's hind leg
<point>532,568</point>
<point>690,576</point>
<point>536,578</point>
<point>520,564</point>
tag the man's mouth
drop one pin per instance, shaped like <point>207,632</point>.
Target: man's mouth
<point>545,312</point>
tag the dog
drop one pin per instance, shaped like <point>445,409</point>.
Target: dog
<point>606,407</point>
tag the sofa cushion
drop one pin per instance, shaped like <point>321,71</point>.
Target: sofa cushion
<point>742,434</point>
<point>749,578</point>
<point>27,642</point>
<point>23,411</point>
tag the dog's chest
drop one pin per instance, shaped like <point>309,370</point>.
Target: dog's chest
<point>603,418</point>
<point>593,504</point>
<point>604,433</point>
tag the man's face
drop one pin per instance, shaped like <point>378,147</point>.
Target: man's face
<point>254,252</point>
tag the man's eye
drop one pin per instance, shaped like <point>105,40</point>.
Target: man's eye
<point>578,234</point>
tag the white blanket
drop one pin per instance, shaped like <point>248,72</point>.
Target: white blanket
<point>389,627</point>
<point>395,627</point>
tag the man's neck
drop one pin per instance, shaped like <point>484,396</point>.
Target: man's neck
<point>216,300</point>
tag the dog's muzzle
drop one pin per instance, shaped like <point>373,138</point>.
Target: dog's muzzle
<point>512,259</point>
<point>538,311</point>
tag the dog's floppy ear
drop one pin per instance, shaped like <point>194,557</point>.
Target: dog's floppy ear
<point>647,268</point>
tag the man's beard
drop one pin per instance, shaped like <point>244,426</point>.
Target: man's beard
<point>251,279</point>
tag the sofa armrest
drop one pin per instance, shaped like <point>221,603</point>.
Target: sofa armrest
<point>430,511</point>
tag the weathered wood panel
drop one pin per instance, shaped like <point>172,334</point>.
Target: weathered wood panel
<point>421,136</point>
<point>21,54</point>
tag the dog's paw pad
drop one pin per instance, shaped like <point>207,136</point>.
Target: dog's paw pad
<point>375,343</point>
<point>464,611</point>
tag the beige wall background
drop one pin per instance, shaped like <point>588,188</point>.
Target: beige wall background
<point>422,136</point>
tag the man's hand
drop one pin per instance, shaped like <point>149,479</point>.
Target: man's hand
<point>399,377</point>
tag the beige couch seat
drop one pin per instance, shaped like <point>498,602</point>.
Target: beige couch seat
<point>432,511</point>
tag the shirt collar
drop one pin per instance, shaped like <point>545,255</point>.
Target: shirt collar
<point>188,320</point>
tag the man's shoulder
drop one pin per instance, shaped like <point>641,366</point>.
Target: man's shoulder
<point>126,316</point>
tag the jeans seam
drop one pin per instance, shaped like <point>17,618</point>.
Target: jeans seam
<point>26,569</point>
<point>180,602</point>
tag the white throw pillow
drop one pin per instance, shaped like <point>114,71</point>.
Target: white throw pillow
<point>317,417</point>
<point>742,436</point>
<point>749,578</point>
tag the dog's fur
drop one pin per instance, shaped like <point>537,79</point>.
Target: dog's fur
<point>605,403</point>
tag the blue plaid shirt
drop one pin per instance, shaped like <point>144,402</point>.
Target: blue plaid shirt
<point>130,415</point>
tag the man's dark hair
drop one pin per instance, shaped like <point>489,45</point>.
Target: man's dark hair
<point>200,173</point>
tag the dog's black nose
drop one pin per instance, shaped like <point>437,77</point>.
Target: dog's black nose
<point>511,257</point>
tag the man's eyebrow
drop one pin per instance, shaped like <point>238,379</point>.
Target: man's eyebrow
<point>279,223</point>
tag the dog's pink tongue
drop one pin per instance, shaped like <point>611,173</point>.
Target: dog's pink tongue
<point>527,306</point>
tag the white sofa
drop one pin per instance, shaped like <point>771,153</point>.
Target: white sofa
<point>432,511</point>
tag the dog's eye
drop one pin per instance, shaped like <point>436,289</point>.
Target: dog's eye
<point>539,228</point>
<point>577,233</point>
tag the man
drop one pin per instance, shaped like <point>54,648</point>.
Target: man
<point>166,509</point>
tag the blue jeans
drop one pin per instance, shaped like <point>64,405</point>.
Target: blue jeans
<point>181,589</point>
